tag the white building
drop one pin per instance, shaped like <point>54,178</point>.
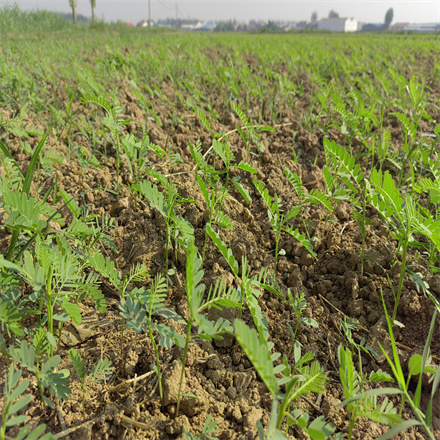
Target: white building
<point>338,24</point>
<point>422,27</point>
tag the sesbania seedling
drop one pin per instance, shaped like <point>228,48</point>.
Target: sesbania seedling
<point>100,371</point>
<point>13,402</point>
<point>401,216</point>
<point>278,221</point>
<point>138,309</point>
<point>248,132</point>
<point>166,204</point>
<point>362,403</point>
<point>219,296</point>
<point>249,286</point>
<point>303,380</point>
<point>114,121</point>
<point>107,269</point>
<point>418,365</point>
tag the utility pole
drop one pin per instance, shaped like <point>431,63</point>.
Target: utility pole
<point>149,14</point>
<point>177,20</point>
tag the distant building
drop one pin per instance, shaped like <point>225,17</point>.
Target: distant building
<point>422,27</point>
<point>208,27</point>
<point>372,27</point>
<point>301,25</point>
<point>397,27</point>
<point>416,27</point>
<point>187,27</point>
<point>338,24</point>
<point>144,23</point>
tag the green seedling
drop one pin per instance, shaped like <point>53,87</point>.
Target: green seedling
<point>138,309</point>
<point>250,133</point>
<point>222,148</point>
<point>24,212</point>
<point>166,203</point>
<point>114,121</point>
<point>298,305</point>
<point>314,196</point>
<point>362,403</point>
<point>278,221</point>
<point>249,286</point>
<point>54,274</point>
<point>214,200</point>
<point>85,160</point>
<point>44,371</point>
<point>14,401</point>
<point>417,365</point>
<point>148,104</point>
<point>99,372</point>
<point>341,167</point>
<point>106,268</point>
<point>28,216</point>
<point>401,216</point>
<point>137,152</point>
<point>304,380</point>
<point>432,189</point>
<point>218,296</point>
<point>87,231</point>
<point>213,190</point>
<point>357,123</point>
<point>350,324</point>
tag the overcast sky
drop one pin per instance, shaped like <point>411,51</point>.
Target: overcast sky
<point>414,11</point>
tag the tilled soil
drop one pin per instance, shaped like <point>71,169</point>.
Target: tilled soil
<point>218,373</point>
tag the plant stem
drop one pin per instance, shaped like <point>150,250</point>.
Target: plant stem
<point>185,352</point>
<point>419,415</point>
<point>350,429</point>
<point>363,231</point>
<point>206,234</point>
<point>277,242</point>
<point>402,277</point>
<point>156,351</point>
<point>166,248</point>
<point>49,306</point>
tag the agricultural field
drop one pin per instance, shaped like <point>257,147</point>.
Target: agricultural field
<point>218,236</point>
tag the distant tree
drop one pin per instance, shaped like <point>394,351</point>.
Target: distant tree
<point>333,14</point>
<point>93,4</point>
<point>226,26</point>
<point>272,26</point>
<point>388,18</point>
<point>73,4</point>
<point>314,17</point>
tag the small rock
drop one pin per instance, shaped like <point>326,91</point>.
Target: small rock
<point>120,205</point>
<point>215,377</point>
<point>434,284</point>
<point>355,307</point>
<point>176,426</point>
<point>251,418</point>
<point>341,212</point>
<point>351,283</point>
<point>373,317</point>
<point>306,259</point>
<point>235,413</point>
<point>231,393</point>
<point>323,287</point>
<point>171,381</point>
